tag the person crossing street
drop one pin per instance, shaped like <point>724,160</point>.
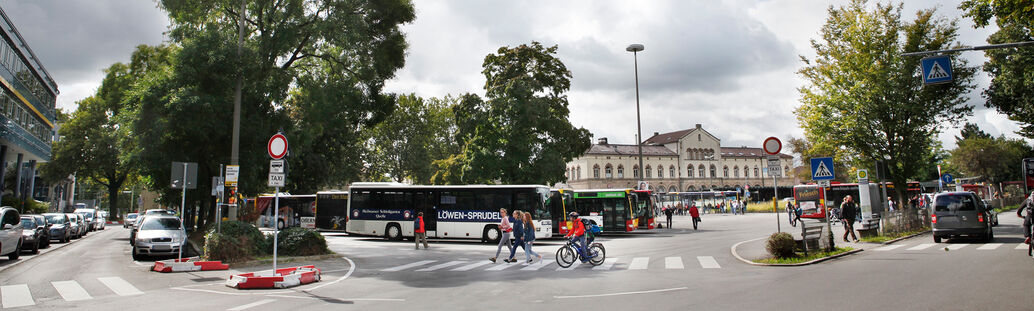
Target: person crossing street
<point>419,234</point>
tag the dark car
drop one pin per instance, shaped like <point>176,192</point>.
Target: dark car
<point>32,234</point>
<point>40,219</point>
<point>60,226</point>
<point>960,213</point>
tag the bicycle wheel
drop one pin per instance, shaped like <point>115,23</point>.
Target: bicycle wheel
<point>599,252</point>
<point>793,222</point>
<point>565,256</point>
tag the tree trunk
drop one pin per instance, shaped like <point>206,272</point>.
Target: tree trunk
<point>114,189</point>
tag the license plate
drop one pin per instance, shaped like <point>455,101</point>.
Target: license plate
<point>161,247</point>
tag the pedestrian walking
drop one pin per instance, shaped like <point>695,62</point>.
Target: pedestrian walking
<point>529,238</point>
<point>848,211</point>
<point>695,214</point>
<point>667,215</point>
<point>518,236</point>
<point>504,233</point>
<point>890,204</point>
<point>419,234</point>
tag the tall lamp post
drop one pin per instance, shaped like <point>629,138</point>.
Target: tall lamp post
<point>635,49</point>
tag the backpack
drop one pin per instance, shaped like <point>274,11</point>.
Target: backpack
<point>590,227</point>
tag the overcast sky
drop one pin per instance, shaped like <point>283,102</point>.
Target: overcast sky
<point>729,65</point>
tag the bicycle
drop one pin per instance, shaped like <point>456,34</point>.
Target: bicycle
<point>834,215</point>
<point>567,254</point>
<point>792,215</point>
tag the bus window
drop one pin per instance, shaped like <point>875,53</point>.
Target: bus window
<point>457,200</point>
<point>494,200</point>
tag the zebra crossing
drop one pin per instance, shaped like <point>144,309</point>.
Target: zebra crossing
<point>635,263</point>
<point>905,247</point>
<point>19,295</point>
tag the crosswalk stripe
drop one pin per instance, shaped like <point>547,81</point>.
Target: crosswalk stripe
<point>472,266</point>
<point>12,296</point>
<point>538,265</point>
<point>607,264</point>
<point>1021,246</point>
<point>889,247</point>
<point>574,265</point>
<point>673,263</point>
<point>500,267</point>
<point>251,305</point>
<point>639,263</point>
<point>71,291</point>
<point>922,246</point>
<point>989,246</point>
<point>407,266</point>
<point>708,262</point>
<point>120,286</point>
<point>957,246</point>
<point>443,265</point>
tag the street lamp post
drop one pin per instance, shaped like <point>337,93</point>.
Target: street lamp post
<point>635,49</point>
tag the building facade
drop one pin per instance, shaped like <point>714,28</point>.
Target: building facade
<point>680,161</point>
<point>28,96</point>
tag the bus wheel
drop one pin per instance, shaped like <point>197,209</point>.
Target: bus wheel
<point>393,232</point>
<point>491,234</point>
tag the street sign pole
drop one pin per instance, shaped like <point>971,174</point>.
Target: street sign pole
<point>277,149</point>
<point>775,200</point>
<point>183,201</point>
<point>772,146</point>
<point>276,223</point>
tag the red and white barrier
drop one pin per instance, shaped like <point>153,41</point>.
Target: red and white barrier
<point>281,278</point>
<point>187,264</point>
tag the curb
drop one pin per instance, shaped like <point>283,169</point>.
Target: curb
<point>280,260</point>
<point>815,261</point>
<point>906,237</point>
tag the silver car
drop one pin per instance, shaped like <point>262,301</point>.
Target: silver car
<point>10,232</point>
<point>158,235</point>
<point>75,226</point>
<point>960,214</point>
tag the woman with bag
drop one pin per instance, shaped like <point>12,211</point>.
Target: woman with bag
<point>518,235</point>
<point>504,230</point>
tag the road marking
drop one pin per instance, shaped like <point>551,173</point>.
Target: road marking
<point>957,246</point>
<point>989,246</point>
<point>351,268</point>
<point>639,263</point>
<point>71,291</point>
<point>501,267</point>
<point>1021,246</point>
<point>624,293</point>
<point>573,265</point>
<point>538,265</point>
<point>407,266</point>
<point>922,246</point>
<point>708,262</point>
<point>607,264</point>
<point>472,266</point>
<point>12,296</point>
<point>443,265</point>
<point>120,286</point>
<point>889,247</point>
<point>251,305</point>
<point>673,263</point>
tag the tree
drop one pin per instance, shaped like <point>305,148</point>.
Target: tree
<point>992,158</point>
<point>862,94</point>
<point>971,130</point>
<point>806,150</point>
<point>1012,78</point>
<point>520,134</point>
<point>416,134</point>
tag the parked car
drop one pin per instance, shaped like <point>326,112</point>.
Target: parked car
<point>60,226</point>
<point>960,213</point>
<point>136,227</point>
<point>102,220</point>
<point>46,229</point>
<point>90,216</point>
<point>33,234</point>
<point>76,226</point>
<point>158,211</point>
<point>159,235</point>
<point>129,220</point>
<point>84,226</point>
<point>10,232</point>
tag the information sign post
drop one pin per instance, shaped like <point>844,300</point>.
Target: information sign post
<point>772,147</point>
<point>277,149</point>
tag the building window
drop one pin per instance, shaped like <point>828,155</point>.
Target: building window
<point>648,169</point>
<point>735,171</point>
<point>725,172</point>
<point>786,170</point>
<point>621,171</point>
<point>596,171</point>
<point>756,175</point>
<point>698,137</point>
<point>660,171</point>
<point>671,171</point>
<point>703,171</point>
<point>578,173</point>
<point>689,171</point>
<point>609,171</point>
<point>713,171</point>
<point>635,171</point>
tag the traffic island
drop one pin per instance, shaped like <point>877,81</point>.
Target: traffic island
<point>187,265</point>
<point>280,278</point>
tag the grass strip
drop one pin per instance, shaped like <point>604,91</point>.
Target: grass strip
<point>885,238</point>
<point>801,258</point>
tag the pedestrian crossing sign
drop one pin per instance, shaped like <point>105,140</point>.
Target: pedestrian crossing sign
<point>936,69</point>
<point>822,169</point>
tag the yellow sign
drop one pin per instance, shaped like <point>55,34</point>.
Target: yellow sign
<point>863,175</point>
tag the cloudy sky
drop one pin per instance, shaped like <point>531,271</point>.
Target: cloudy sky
<point>729,65</point>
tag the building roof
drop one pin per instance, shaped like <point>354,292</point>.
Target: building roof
<point>630,150</point>
<point>747,152</point>
<point>666,138</point>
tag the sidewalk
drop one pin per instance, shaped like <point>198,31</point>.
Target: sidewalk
<point>755,249</point>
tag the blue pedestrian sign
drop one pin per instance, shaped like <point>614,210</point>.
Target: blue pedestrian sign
<point>822,169</point>
<point>948,179</point>
<point>936,69</point>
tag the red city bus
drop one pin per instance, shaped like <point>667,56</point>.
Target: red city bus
<point>645,211</point>
<point>812,200</point>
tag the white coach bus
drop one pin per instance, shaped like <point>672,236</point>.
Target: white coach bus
<point>463,212</point>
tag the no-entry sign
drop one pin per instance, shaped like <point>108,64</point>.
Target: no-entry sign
<point>772,145</point>
<point>277,146</point>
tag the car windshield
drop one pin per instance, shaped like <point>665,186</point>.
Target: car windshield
<point>131,216</point>
<point>28,223</point>
<point>55,219</point>
<point>954,203</point>
<point>160,224</point>
<point>86,215</point>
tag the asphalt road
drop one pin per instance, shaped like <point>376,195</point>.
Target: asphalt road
<point>666,269</point>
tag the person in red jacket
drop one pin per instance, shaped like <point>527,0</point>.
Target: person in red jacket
<point>693,212</point>
<point>419,234</point>
<point>577,233</point>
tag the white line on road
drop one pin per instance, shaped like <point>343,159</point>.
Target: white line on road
<point>251,305</point>
<point>71,291</point>
<point>574,265</point>
<point>120,286</point>
<point>957,246</point>
<point>1021,246</point>
<point>501,267</point>
<point>607,264</point>
<point>989,246</point>
<point>673,263</point>
<point>639,263</point>
<point>16,296</point>
<point>407,266</point>
<point>624,293</point>
<point>922,246</point>
<point>538,265</point>
<point>344,299</point>
<point>442,265</point>
<point>472,266</point>
<point>889,247</point>
<point>708,262</point>
<point>351,268</point>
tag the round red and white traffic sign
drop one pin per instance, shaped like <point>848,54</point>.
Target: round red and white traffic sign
<point>277,146</point>
<point>772,145</point>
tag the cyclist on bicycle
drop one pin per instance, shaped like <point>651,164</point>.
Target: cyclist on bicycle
<point>577,235</point>
<point>1027,206</point>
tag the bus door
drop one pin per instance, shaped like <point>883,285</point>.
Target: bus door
<point>425,203</point>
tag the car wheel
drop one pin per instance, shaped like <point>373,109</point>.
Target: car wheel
<point>137,256</point>
<point>393,232</point>
<point>35,249</point>
<point>936,239</point>
<point>16,253</point>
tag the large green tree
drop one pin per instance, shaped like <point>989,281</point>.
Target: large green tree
<point>1012,70</point>
<point>992,158</point>
<point>419,132</point>
<point>520,132</point>
<point>863,95</point>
